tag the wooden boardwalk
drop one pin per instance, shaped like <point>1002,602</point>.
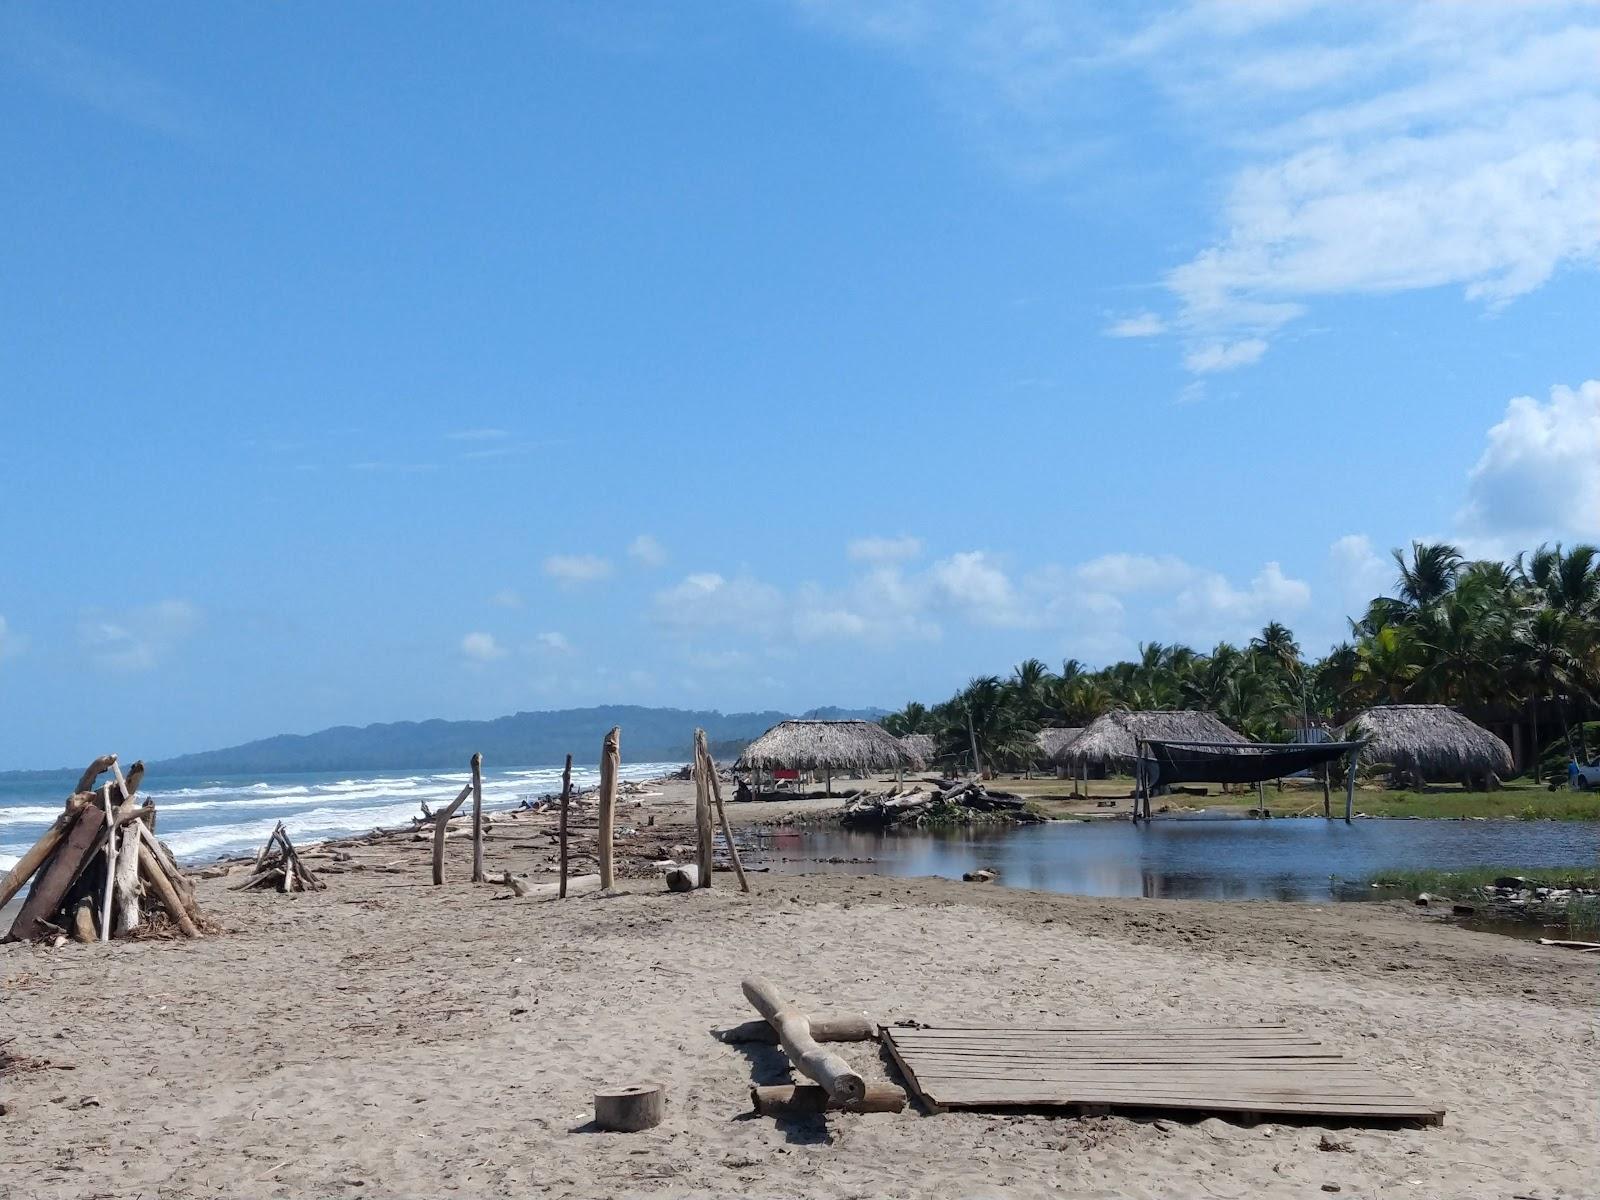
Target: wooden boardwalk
<point>1257,1069</point>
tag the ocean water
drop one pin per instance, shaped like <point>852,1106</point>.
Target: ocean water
<point>206,818</point>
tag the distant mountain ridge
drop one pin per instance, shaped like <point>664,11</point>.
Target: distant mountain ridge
<point>521,739</point>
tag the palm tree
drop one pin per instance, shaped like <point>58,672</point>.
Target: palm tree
<point>988,718</point>
<point>1429,575</point>
<point>913,718</point>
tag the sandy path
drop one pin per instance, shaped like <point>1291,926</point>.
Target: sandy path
<point>387,1038</point>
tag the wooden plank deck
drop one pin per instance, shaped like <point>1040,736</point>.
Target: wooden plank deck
<point>1259,1069</point>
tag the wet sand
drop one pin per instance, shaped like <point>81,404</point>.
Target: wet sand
<point>389,1038</point>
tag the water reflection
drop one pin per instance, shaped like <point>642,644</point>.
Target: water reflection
<point>1183,858</point>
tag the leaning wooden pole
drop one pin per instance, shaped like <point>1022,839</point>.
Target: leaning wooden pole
<point>610,764</point>
<point>477,818</point>
<point>440,822</point>
<point>107,888</point>
<point>41,850</point>
<point>844,1086</point>
<point>704,768</point>
<point>727,830</point>
<point>1350,788</point>
<point>566,803</point>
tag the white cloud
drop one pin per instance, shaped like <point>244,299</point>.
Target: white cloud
<point>1539,475</point>
<point>974,584</point>
<point>506,598</point>
<point>1121,574</point>
<point>884,549</point>
<point>1224,356</point>
<point>1365,148</point>
<point>553,643</point>
<point>139,638</point>
<point>1359,570</point>
<point>709,601</point>
<point>576,568</point>
<point>1140,325</point>
<point>482,647</point>
<point>646,551</point>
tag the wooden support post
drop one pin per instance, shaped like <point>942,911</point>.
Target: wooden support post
<point>1327,794</point>
<point>477,818</point>
<point>48,893</point>
<point>1261,798</point>
<point>566,803</point>
<point>610,764</point>
<point>842,1084</point>
<point>1350,789</point>
<point>727,830</point>
<point>704,768</point>
<point>439,824</point>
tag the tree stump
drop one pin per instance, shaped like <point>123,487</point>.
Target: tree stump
<point>630,1109</point>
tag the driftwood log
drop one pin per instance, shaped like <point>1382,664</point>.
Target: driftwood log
<point>41,849</point>
<point>843,1084</point>
<point>630,1109</point>
<point>477,818</point>
<point>703,769</point>
<point>566,803</point>
<point>805,1100</point>
<point>683,878</point>
<point>51,889</point>
<point>156,876</point>
<point>850,1027</point>
<point>441,820</point>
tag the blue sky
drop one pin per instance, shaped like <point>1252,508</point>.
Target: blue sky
<point>368,362</point>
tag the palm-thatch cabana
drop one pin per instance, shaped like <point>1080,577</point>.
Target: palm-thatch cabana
<point>825,745</point>
<point>1052,742</point>
<point>1111,742</point>
<point>1430,742</point>
<point>921,748</point>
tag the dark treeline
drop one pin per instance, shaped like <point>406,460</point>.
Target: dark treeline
<point>1511,644</point>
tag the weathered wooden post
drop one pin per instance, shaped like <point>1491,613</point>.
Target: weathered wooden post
<point>1327,793</point>
<point>566,803</point>
<point>704,768</point>
<point>440,822</point>
<point>1350,788</point>
<point>477,818</point>
<point>610,763</point>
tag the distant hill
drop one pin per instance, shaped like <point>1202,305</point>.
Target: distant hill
<point>522,739</point>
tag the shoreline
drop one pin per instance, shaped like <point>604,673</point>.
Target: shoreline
<point>354,1041</point>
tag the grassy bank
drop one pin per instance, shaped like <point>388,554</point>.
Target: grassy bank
<point>1459,883</point>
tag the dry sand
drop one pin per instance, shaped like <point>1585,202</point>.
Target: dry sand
<point>388,1038</point>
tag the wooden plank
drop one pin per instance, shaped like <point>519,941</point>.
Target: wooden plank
<point>1219,1068</point>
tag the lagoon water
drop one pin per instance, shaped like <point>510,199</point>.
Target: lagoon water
<point>1224,858</point>
<point>205,818</point>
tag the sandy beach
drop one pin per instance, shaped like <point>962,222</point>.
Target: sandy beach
<point>389,1038</point>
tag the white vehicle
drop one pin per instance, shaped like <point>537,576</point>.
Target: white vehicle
<point>1586,777</point>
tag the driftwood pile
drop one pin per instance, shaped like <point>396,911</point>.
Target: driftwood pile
<point>944,802</point>
<point>280,868</point>
<point>99,870</point>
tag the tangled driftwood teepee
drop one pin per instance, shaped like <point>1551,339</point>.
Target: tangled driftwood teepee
<point>98,865</point>
<point>1430,742</point>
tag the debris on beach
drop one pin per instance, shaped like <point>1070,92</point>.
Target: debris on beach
<point>99,866</point>
<point>939,805</point>
<point>278,867</point>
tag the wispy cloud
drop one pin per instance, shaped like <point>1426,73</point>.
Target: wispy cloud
<point>553,643</point>
<point>481,647</point>
<point>884,549</point>
<point>1224,356</point>
<point>96,80</point>
<point>506,598</point>
<point>1140,325</point>
<point>478,435</point>
<point>646,551</point>
<point>136,639</point>
<point>577,568</point>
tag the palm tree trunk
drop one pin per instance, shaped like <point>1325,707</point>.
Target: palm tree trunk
<point>1536,766</point>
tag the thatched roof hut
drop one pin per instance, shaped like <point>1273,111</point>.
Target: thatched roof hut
<point>1053,741</point>
<point>1111,742</point>
<point>922,749</point>
<point>826,745</point>
<point>1431,741</point>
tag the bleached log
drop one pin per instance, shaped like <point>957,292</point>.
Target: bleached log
<point>849,1027</point>
<point>578,885</point>
<point>41,850</point>
<point>566,804</point>
<point>181,885</point>
<point>518,887</point>
<point>83,921</point>
<point>106,888</point>
<point>439,833</point>
<point>93,771</point>
<point>727,830</point>
<point>65,867</point>
<point>126,880</point>
<point>842,1083</point>
<point>477,818</point>
<point>684,878</point>
<point>156,876</point>
<point>610,764</point>
<point>804,1100</point>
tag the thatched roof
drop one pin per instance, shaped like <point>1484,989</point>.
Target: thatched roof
<point>1432,740</point>
<point>1053,741</point>
<point>816,745</point>
<point>1112,740</point>
<point>921,748</point>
